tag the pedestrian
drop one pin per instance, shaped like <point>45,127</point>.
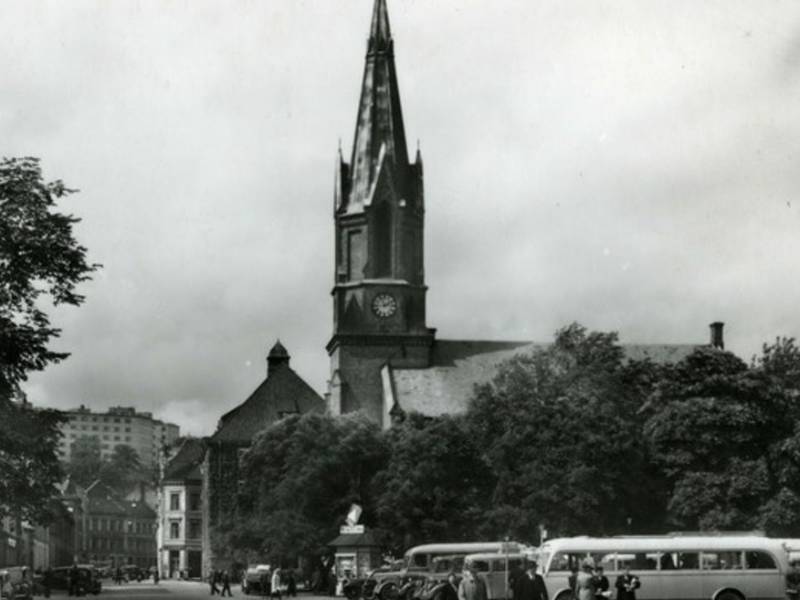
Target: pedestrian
<point>73,581</point>
<point>212,580</point>
<point>626,585</point>
<point>584,582</point>
<point>572,580</point>
<point>291,584</point>
<point>118,575</point>
<point>472,587</point>
<point>601,584</point>
<point>263,584</point>
<point>530,585</point>
<point>276,583</point>
<point>448,591</point>
<point>226,583</point>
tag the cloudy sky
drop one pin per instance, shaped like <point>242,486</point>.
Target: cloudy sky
<point>633,165</point>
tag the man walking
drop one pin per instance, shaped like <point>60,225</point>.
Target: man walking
<point>226,583</point>
<point>212,580</point>
<point>472,587</point>
<point>530,585</point>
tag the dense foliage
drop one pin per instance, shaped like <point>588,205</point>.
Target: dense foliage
<point>40,263</point>
<point>575,438</point>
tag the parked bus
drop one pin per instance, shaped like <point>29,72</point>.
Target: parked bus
<point>675,567</point>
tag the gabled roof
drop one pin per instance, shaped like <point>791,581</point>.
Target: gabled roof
<point>185,465</point>
<point>458,365</point>
<point>283,392</point>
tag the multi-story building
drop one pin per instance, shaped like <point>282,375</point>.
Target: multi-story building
<point>180,514</point>
<point>120,425</point>
<point>120,532</point>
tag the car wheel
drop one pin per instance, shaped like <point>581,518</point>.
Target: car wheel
<point>729,595</point>
<point>388,592</point>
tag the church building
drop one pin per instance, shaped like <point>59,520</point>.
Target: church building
<point>384,359</point>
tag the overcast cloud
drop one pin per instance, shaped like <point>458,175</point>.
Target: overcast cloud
<point>632,165</point>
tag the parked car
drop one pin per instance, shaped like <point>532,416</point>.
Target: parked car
<point>133,573</point>
<point>16,583</point>
<point>251,580</point>
<point>88,582</point>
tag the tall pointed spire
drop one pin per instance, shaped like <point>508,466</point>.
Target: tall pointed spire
<point>380,119</point>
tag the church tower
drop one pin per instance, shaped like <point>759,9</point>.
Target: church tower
<point>379,286</point>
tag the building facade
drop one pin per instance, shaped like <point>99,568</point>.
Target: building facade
<point>281,394</point>
<point>118,426</point>
<point>119,531</point>
<point>180,513</point>
<point>384,359</point>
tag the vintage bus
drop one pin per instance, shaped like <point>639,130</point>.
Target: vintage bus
<point>674,567</point>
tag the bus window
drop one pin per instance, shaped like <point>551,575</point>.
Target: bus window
<point>481,566</point>
<point>639,561</point>
<point>603,559</point>
<point>564,561</point>
<point>687,560</point>
<point>419,561</point>
<point>514,564</point>
<point>759,560</point>
<point>718,561</point>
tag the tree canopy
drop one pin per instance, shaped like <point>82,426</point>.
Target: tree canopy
<point>40,263</point>
<point>300,478</point>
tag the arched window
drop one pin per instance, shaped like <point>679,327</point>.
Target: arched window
<point>383,240</point>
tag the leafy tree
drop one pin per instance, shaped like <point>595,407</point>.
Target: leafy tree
<point>40,261</point>
<point>436,484</point>
<point>716,427</point>
<point>85,462</point>
<point>122,469</point>
<point>561,431</point>
<point>29,469</point>
<point>300,477</point>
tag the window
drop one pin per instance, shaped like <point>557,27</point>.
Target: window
<point>194,529</point>
<point>719,561</point>
<point>174,530</point>
<point>566,561</point>
<point>194,501</point>
<point>175,501</point>
<point>759,560</point>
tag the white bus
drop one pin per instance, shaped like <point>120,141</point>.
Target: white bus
<point>674,567</point>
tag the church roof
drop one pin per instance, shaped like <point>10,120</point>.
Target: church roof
<point>458,365</point>
<point>282,393</point>
<point>185,465</point>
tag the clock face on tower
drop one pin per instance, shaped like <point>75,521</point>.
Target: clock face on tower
<point>384,305</point>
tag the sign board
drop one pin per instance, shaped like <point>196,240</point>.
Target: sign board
<point>354,514</point>
<point>351,529</point>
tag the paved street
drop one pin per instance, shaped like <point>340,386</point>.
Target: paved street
<point>174,590</point>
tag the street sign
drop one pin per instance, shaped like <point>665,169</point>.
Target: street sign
<point>351,529</point>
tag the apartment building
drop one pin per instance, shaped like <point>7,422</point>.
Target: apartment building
<point>180,514</point>
<point>120,425</point>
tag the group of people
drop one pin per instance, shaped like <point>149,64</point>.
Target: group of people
<point>222,578</point>
<point>590,583</point>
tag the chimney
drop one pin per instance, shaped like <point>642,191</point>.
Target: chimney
<point>717,340</point>
<point>277,358</point>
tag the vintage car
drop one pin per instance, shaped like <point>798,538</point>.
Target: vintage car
<point>134,573</point>
<point>88,582</point>
<point>251,579</point>
<point>16,583</point>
